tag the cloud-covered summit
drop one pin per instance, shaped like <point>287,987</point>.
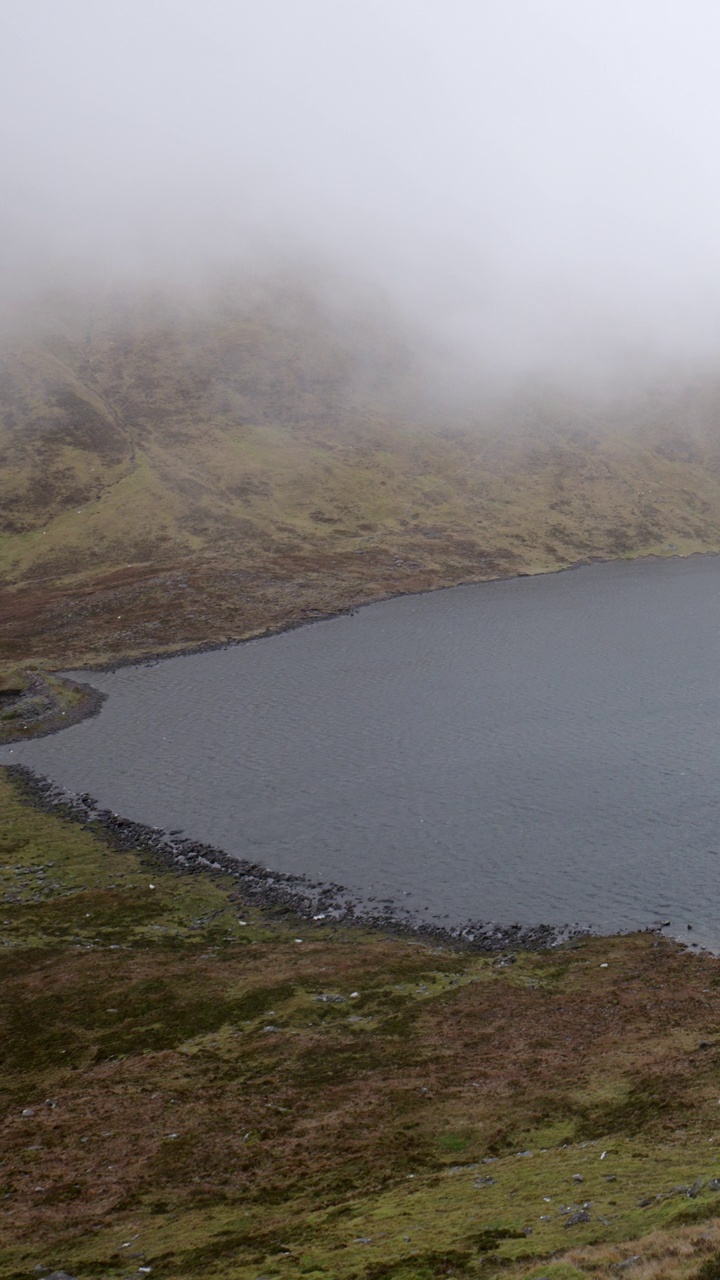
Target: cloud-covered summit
<point>533,179</point>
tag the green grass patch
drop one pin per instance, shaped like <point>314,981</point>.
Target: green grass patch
<point>178,1092</point>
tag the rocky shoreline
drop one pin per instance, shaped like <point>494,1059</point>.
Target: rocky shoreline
<point>277,892</point>
<point>46,705</point>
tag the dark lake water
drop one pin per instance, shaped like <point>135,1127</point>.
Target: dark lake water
<point>541,750</point>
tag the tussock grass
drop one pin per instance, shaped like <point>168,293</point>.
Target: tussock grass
<point>198,1109</point>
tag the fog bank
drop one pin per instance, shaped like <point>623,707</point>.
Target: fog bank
<point>533,182</point>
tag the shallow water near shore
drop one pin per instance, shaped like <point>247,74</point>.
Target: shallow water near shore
<point>541,750</point>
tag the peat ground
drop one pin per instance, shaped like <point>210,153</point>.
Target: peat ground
<point>198,1086</point>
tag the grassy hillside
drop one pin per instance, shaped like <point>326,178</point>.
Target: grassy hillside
<point>174,472</point>
<point>193,1086</point>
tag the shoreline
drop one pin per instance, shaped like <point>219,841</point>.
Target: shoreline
<point>298,894</point>
<point>67,702</point>
<point>381,1104</point>
<point>281,893</point>
<point>348,611</point>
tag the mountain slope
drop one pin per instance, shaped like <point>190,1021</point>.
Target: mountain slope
<point>175,472</point>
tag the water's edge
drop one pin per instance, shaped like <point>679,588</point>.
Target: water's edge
<point>60,711</point>
<point>348,611</point>
<point>293,891</point>
<point>276,891</point>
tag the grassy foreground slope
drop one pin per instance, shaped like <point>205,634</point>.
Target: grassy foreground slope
<point>193,1087</point>
<point>173,472</point>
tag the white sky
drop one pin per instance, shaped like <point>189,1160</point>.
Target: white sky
<point>532,176</point>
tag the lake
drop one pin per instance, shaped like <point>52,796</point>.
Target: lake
<point>540,750</point>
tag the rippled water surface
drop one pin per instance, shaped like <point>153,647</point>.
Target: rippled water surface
<point>541,750</point>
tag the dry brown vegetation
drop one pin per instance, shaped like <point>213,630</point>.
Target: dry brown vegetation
<point>188,1086</point>
<point>171,476</point>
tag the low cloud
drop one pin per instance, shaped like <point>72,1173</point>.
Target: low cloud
<point>533,183</point>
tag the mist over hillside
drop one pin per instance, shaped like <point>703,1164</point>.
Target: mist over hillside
<point>180,465</point>
<point>532,182</point>
<point>306,303</point>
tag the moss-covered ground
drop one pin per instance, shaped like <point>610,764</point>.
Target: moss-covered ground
<point>195,1088</point>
